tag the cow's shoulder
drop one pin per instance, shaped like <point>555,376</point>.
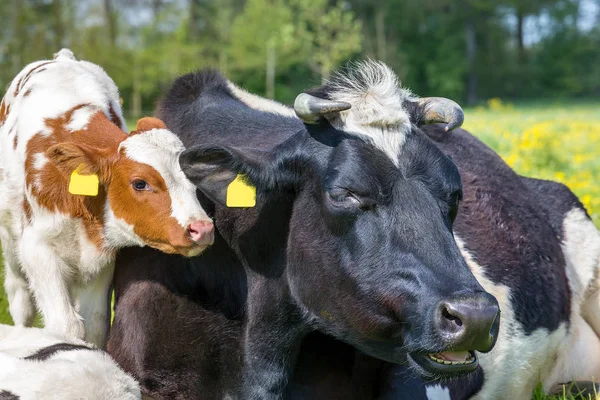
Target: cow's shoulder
<point>556,201</point>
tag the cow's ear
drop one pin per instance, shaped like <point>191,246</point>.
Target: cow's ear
<point>212,168</point>
<point>69,157</point>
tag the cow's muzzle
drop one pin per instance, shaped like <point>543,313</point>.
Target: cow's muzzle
<point>462,326</point>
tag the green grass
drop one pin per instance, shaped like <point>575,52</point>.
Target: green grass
<point>565,130</point>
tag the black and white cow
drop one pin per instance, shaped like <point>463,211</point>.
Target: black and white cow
<point>351,239</point>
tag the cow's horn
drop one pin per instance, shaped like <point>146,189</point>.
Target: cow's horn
<point>309,108</point>
<point>440,109</point>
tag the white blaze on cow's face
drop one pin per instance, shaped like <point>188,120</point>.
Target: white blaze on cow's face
<point>377,113</point>
<point>150,193</point>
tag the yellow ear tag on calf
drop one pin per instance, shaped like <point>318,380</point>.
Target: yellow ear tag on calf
<point>85,185</point>
<point>240,193</point>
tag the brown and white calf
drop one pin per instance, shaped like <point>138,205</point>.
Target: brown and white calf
<point>61,116</point>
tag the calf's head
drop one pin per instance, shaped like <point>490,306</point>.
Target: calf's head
<point>149,201</point>
<point>371,256</point>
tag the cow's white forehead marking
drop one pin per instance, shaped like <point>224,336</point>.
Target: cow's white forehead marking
<point>437,392</point>
<point>160,149</point>
<point>377,114</point>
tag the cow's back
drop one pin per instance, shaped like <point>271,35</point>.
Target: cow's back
<point>204,108</point>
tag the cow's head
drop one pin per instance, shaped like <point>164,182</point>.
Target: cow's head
<point>371,255</point>
<point>149,201</point>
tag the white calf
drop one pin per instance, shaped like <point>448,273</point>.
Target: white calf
<point>35,364</point>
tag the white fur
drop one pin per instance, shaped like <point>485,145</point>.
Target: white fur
<point>260,103</point>
<point>377,113</point>
<point>518,361</point>
<point>66,375</point>
<point>50,259</point>
<point>581,246</point>
<point>437,392</point>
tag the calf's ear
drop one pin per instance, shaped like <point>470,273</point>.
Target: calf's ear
<point>70,156</point>
<point>212,168</point>
<point>149,123</point>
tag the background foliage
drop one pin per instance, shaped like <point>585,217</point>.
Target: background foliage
<point>469,50</point>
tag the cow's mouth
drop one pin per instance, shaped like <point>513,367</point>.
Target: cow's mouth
<point>446,362</point>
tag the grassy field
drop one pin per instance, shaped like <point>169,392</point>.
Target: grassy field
<point>558,141</point>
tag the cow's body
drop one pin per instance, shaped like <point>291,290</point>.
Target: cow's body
<point>59,116</point>
<point>511,244</point>
<point>36,364</point>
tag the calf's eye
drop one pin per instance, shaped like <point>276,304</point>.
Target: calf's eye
<point>140,185</point>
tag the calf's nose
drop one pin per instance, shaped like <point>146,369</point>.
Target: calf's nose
<point>201,232</point>
<point>469,323</point>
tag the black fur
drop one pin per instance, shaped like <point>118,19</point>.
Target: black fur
<point>6,395</point>
<point>47,352</point>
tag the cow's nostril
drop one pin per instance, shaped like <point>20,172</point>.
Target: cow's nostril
<point>468,323</point>
<point>453,318</point>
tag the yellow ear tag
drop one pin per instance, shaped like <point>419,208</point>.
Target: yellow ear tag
<point>240,193</point>
<point>86,185</point>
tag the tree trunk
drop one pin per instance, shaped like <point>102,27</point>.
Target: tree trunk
<point>270,75</point>
<point>156,6</point>
<point>59,31</point>
<point>471,42</point>
<point>111,22</point>
<point>20,35</point>
<point>194,16</point>
<point>380,33</point>
<point>520,45</point>
<point>223,61</point>
<point>136,95</point>
<point>325,73</point>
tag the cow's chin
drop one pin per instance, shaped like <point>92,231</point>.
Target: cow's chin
<point>191,250</point>
<point>443,365</point>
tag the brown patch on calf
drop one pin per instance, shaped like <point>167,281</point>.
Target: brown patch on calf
<point>114,117</point>
<point>24,79</point>
<point>4,110</point>
<point>27,211</point>
<point>15,141</point>
<point>100,135</point>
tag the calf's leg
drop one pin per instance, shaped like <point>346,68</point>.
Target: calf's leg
<point>94,307</point>
<point>48,278</point>
<point>20,305</point>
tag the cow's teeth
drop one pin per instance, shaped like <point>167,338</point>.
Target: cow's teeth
<point>469,360</point>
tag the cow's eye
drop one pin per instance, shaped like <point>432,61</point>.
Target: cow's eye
<point>343,198</point>
<point>140,185</point>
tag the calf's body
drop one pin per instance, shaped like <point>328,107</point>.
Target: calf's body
<point>62,117</point>
<point>35,364</point>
